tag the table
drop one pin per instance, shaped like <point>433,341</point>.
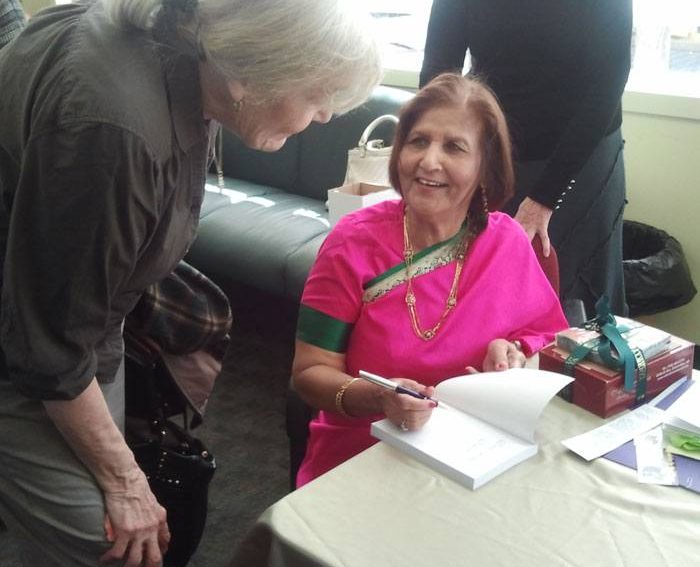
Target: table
<point>383,508</point>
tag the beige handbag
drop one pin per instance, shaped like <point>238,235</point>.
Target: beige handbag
<point>369,161</point>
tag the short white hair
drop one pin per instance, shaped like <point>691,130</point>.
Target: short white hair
<point>276,48</point>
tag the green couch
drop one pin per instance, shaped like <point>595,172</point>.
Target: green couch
<point>264,230</point>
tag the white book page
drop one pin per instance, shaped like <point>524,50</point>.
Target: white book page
<point>511,400</point>
<point>483,448</point>
<point>684,413</point>
<point>614,433</point>
<point>459,445</point>
<point>654,465</point>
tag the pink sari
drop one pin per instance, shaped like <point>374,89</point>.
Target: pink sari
<point>353,303</point>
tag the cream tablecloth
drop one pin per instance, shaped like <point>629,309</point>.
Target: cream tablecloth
<point>382,508</point>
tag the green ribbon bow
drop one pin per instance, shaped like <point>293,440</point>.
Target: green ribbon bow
<point>628,359</point>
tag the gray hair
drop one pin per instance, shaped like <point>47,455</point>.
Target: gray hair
<point>275,47</point>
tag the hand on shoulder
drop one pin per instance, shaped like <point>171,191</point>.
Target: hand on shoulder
<point>534,218</point>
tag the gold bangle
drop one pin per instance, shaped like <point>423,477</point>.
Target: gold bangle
<point>339,397</point>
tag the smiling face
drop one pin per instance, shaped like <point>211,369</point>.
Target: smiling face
<point>439,166</point>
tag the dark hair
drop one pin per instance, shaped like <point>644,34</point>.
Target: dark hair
<point>452,89</point>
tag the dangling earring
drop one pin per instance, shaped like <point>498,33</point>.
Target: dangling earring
<point>484,200</point>
<point>237,105</point>
<point>218,157</point>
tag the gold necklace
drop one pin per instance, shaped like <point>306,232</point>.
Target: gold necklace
<point>410,299</point>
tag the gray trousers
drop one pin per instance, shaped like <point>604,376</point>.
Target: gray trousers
<point>48,499</point>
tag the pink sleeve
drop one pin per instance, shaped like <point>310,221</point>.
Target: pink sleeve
<point>541,332</point>
<point>546,316</point>
<point>533,302</point>
<point>334,285</point>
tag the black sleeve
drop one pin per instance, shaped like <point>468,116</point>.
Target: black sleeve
<point>607,67</point>
<point>84,205</point>
<point>447,39</point>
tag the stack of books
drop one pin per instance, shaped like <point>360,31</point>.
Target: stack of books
<point>600,388</point>
<point>649,340</point>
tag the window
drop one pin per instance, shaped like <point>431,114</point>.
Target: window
<point>665,43</point>
<point>666,47</point>
<point>401,26</point>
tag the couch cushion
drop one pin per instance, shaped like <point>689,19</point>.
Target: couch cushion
<point>298,266</point>
<point>277,169</point>
<point>233,191</point>
<point>250,240</point>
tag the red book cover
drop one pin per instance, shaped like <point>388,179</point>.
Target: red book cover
<point>600,390</point>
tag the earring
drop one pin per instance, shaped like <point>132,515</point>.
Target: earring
<point>237,105</point>
<point>484,200</point>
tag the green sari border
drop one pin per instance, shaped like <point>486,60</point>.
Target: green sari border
<point>416,257</point>
<point>425,261</point>
<point>316,328</point>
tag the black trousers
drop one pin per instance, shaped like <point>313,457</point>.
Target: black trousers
<point>586,230</point>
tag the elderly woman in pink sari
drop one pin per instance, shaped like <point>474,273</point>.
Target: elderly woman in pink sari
<point>425,288</point>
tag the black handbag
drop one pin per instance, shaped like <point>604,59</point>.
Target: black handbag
<point>178,318</point>
<point>178,467</point>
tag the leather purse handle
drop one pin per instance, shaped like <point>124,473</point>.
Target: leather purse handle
<point>372,125</point>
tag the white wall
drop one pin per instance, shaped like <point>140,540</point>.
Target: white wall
<point>662,162</point>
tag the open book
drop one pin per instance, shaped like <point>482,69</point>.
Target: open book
<point>483,425</point>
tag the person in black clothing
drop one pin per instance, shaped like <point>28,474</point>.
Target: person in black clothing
<point>559,68</point>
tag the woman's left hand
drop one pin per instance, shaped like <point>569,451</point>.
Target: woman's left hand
<point>501,355</point>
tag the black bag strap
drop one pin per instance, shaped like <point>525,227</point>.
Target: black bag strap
<point>154,402</point>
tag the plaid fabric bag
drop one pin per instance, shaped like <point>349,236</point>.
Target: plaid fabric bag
<point>182,323</point>
<point>184,313</point>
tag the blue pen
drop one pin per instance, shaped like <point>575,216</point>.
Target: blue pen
<point>391,385</point>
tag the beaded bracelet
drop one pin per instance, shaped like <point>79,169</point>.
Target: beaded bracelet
<point>339,397</point>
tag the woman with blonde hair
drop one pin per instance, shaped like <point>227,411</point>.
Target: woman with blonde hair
<point>106,118</point>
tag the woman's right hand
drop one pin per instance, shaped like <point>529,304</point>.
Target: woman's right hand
<point>404,411</point>
<point>136,523</point>
<point>534,217</point>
